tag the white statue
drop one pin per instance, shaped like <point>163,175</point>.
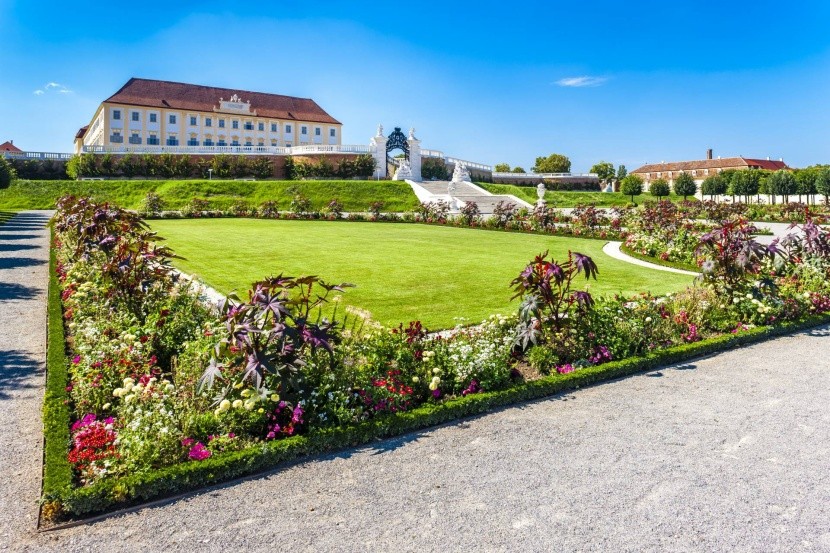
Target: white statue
<point>412,133</point>
<point>460,173</point>
<point>380,130</point>
<point>404,171</point>
<point>451,188</point>
<point>540,193</point>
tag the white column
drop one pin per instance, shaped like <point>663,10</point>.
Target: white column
<point>378,149</point>
<point>414,155</point>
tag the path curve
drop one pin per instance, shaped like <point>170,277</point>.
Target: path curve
<point>612,249</point>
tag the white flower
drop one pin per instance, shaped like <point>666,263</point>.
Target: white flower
<point>415,379</point>
<point>648,319</point>
<point>224,405</point>
<point>237,404</point>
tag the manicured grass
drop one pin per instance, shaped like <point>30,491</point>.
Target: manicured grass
<point>571,199</point>
<point>355,195</point>
<point>402,271</point>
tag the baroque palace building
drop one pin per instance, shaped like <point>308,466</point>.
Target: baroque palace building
<point>149,115</point>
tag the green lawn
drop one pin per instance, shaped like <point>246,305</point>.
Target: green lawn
<point>355,195</point>
<point>403,272</point>
<point>570,199</point>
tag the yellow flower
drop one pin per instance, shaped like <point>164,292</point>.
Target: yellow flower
<point>237,404</point>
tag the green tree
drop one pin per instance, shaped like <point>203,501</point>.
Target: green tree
<point>712,186</point>
<point>604,170</point>
<point>7,174</point>
<point>745,183</point>
<point>502,168</point>
<point>783,183</point>
<point>518,169</point>
<point>621,172</point>
<point>805,183</point>
<point>554,163</point>
<point>822,183</point>
<point>684,185</point>
<point>658,188</point>
<point>632,185</point>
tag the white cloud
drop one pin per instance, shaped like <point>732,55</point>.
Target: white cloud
<point>580,82</point>
<point>52,87</point>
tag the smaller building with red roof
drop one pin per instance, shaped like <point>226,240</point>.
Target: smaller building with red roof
<point>700,169</point>
<point>9,147</point>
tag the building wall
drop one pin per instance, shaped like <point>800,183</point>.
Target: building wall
<point>116,120</point>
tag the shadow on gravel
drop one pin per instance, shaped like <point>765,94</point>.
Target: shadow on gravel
<point>16,262</point>
<point>820,331</point>
<point>14,291</point>
<point>16,367</point>
<point>13,247</point>
<point>17,236</point>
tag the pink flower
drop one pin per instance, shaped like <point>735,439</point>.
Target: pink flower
<point>199,452</point>
<point>76,359</point>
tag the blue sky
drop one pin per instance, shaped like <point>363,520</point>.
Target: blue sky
<point>628,82</point>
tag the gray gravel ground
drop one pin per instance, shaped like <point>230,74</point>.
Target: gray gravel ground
<point>727,453</point>
<point>24,259</point>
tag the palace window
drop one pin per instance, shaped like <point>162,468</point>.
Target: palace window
<point>261,143</point>
<point>288,129</point>
<point>172,141</point>
<point>193,121</point>
<point>208,142</point>
<point>248,142</point>
<point>135,116</point>
<point>249,126</point>
<point>116,137</point>
<point>273,143</point>
<point>288,144</point>
<point>317,131</point>
<point>221,142</point>
<point>303,130</point>
<point>221,123</point>
<point>273,127</point>
<point>235,124</point>
<point>235,143</point>
<point>332,133</point>
<point>261,126</point>
<point>171,119</point>
<point>116,114</point>
<point>135,138</point>
<point>153,140</point>
<point>208,122</point>
<point>193,142</point>
<point>154,118</point>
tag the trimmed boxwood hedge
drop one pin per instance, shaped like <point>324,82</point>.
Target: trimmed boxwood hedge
<point>60,497</point>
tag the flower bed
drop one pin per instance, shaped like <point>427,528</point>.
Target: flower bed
<point>150,393</point>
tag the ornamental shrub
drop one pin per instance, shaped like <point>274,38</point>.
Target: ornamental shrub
<point>712,186</point>
<point>684,185</point>
<point>7,173</point>
<point>632,185</point>
<point>659,188</point>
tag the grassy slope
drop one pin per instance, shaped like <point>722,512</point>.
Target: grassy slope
<point>402,271</point>
<point>355,195</point>
<point>5,216</point>
<point>569,199</point>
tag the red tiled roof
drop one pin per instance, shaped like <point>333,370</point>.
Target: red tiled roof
<point>170,95</point>
<point>9,147</point>
<point>82,131</point>
<point>723,163</point>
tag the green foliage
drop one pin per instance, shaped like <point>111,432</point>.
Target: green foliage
<point>604,170</point>
<point>361,166</point>
<point>822,182</point>
<point>554,163</point>
<point>684,185</point>
<point>745,183</point>
<point>39,169</point>
<point>7,173</point>
<point>632,185</point>
<point>659,188</point>
<point>502,168</point>
<point>713,185</point>
<point>518,169</point>
<point>622,172</point>
<point>783,183</point>
<point>434,168</point>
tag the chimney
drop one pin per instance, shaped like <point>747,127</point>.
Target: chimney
<point>767,158</point>
<point>709,153</point>
<point>11,142</point>
<point>781,159</point>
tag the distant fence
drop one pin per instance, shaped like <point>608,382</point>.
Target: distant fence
<point>36,155</point>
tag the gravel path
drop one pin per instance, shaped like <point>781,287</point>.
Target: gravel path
<point>24,261</point>
<point>728,453</point>
<point>612,249</point>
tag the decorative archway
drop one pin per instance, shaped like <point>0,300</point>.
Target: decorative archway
<point>397,141</point>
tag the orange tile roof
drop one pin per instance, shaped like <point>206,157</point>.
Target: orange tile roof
<point>723,163</point>
<point>82,131</point>
<point>9,147</point>
<point>171,95</point>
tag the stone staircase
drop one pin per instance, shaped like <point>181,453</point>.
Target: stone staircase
<point>432,191</point>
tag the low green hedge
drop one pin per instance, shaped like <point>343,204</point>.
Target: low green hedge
<point>57,472</point>
<point>657,261</point>
<point>134,489</point>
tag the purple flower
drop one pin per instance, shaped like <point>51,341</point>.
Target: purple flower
<point>76,359</point>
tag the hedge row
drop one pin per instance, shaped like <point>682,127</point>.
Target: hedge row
<point>135,489</point>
